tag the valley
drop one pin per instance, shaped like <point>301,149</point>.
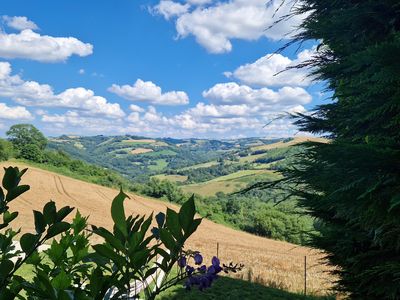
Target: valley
<point>268,262</point>
<point>205,167</point>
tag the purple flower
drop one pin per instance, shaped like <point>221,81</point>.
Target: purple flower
<point>189,270</point>
<point>211,270</point>
<point>198,259</point>
<point>204,283</point>
<point>215,261</point>
<point>203,276</point>
<point>202,269</point>
<point>182,261</point>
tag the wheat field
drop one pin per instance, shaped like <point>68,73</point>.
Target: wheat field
<point>273,263</point>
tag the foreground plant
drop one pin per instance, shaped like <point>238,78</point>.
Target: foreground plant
<point>48,224</point>
<point>132,259</point>
<point>200,275</point>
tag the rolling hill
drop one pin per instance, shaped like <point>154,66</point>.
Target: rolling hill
<point>268,262</point>
<point>139,157</point>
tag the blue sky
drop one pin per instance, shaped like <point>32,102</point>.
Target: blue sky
<point>190,68</point>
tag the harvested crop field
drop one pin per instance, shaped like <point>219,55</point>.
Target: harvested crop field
<point>270,262</point>
<point>140,151</point>
<point>295,141</point>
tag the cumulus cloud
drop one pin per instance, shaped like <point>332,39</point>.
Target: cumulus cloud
<point>233,93</point>
<point>214,26</point>
<point>19,23</point>
<point>147,91</point>
<point>203,120</point>
<point>14,113</point>
<point>270,70</point>
<point>215,120</point>
<point>135,108</point>
<point>32,93</point>
<point>31,45</point>
<point>74,122</point>
<point>169,9</point>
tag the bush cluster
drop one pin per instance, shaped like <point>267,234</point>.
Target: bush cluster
<point>74,268</point>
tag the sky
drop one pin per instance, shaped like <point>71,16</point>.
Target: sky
<point>161,68</point>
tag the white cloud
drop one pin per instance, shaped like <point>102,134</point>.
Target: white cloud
<point>147,91</point>
<point>40,112</point>
<point>233,93</point>
<point>269,70</point>
<point>14,112</point>
<point>216,25</point>
<point>31,45</point>
<point>81,71</point>
<point>19,23</point>
<point>32,93</point>
<point>203,120</point>
<point>199,2</point>
<point>169,9</point>
<point>212,120</point>
<point>220,111</point>
<point>135,108</point>
<point>75,122</point>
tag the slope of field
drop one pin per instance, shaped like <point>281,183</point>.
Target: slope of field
<point>294,141</point>
<point>229,183</point>
<point>210,188</point>
<point>269,262</point>
<point>172,178</point>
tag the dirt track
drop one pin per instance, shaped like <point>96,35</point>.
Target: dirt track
<point>267,261</point>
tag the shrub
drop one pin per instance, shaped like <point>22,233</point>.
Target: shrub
<point>31,152</point>
<point>6,150</point>
<point>69,270</point>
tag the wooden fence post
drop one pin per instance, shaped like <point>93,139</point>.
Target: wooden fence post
<point>305,275</point>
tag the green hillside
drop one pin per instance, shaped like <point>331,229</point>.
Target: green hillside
<point>139,157</point>
<point>173,169</point>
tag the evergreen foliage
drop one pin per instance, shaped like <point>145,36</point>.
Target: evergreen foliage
<point>352,185</point>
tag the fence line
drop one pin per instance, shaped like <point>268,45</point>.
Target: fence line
<point>306,263</point>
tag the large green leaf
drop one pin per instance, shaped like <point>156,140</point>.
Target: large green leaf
<point>9,217</point>
<point>186,214</point>
<point>16,192</point>
<point>146,224</point>
<point>109,238</point>
<point>6,267</point>
<point>134,240</point>
<point>10,178</point>
<point>107,252</point>
<point>63,212</point>
<point>168,240</point>
<point>140,258</point>
<point>173,224</point>
<point>193,228</point>
<point>118,212</point>
<point>62,281</point>
<point>50,212</point>
<point>40,222</point>
<point>57,228</point>
<point>28,242</point>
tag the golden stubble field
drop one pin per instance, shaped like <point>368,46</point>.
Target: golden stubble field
<point>266,261</point>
